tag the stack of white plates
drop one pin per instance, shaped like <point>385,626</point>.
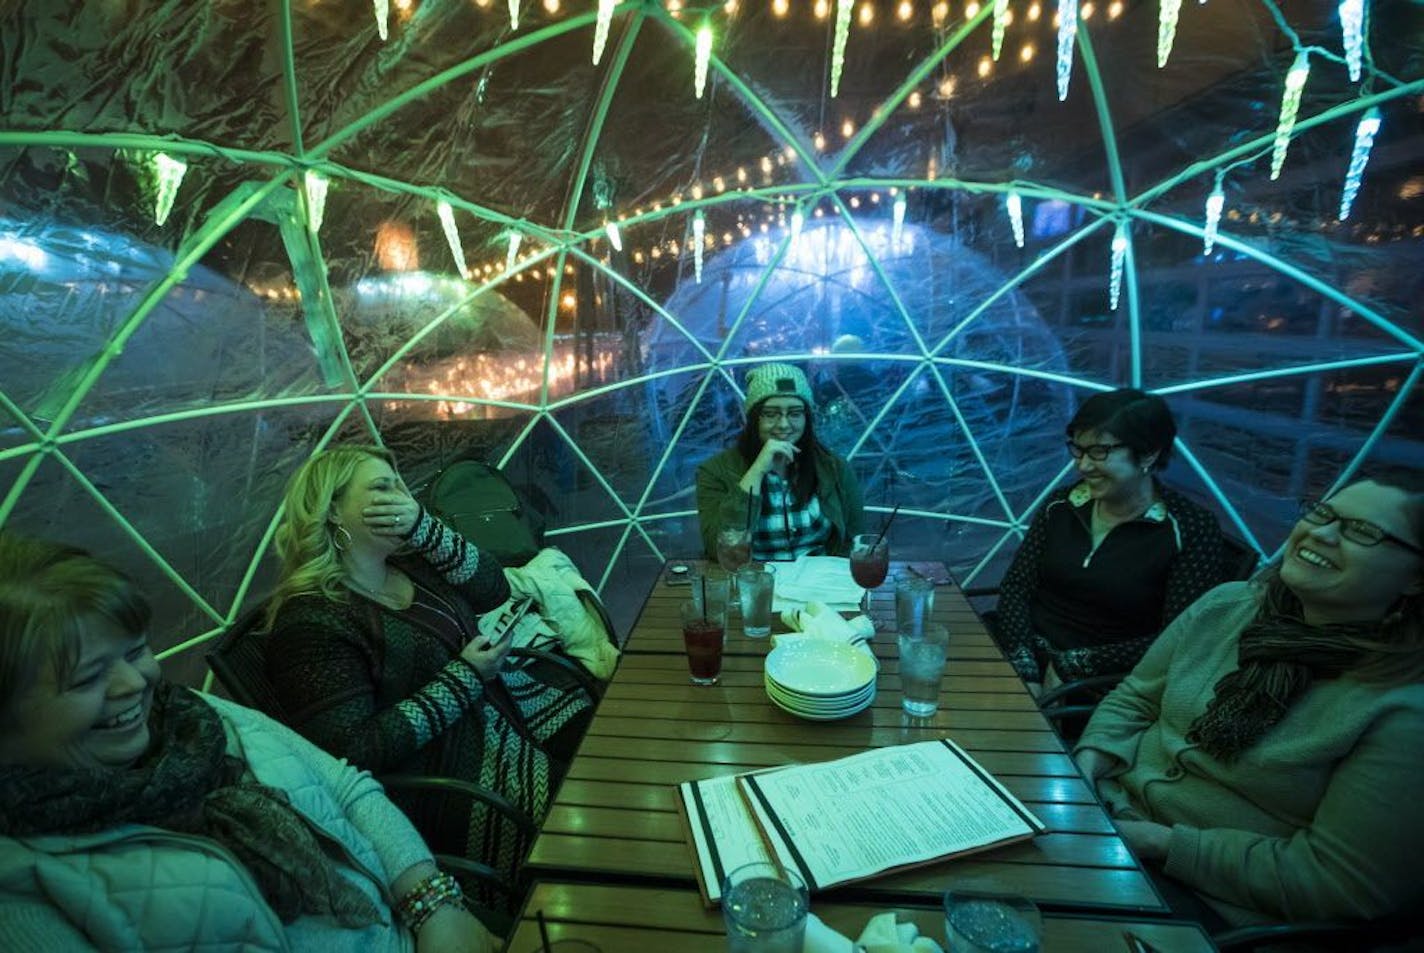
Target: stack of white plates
<point>820,679</point>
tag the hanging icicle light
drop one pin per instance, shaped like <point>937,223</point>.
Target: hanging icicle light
<point>1067,36</point>
<point>1290,105</point>
<point>513,253</point>
<point>1001,24</point>
<point>614,238</point>
<point>1215,202</point>
<point>897,230</point>
<point>797,221</point>
<point>1015,207</point>
<point>383,18</point>
<point>699,232</point>
<point>1167,15</point>
<point>315,185</point>
<point>452,233</point>
<point>704,57</point>
<point>844,9</point>
<point>514,14</point>
<point>169,173</point>
<point>1364,141</point>
<point>600,28</point>
<point>1119,261</point>
<point>1352,24</point>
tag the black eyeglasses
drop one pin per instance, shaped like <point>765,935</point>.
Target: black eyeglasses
<point>1093,451</point>
<point>791,415</point>
<point>1356,531</point>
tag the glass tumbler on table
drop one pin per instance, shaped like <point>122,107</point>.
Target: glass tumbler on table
<point>704,633</point>
<point>764,907</point>
<point>756,587</point>
<point>914,601</point>
<point>922,660</point>
<point>869,561</point>
<point>985,923</point>
<point>734,550</point>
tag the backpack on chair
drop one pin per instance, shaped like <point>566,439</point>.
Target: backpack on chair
<point>479,502</point>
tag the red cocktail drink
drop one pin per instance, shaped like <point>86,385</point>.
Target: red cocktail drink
<point>869,561</point>
<point>703,640</point>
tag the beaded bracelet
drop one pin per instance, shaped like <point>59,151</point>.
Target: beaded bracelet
<point>426,897</point>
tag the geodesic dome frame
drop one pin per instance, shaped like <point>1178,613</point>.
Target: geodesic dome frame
<point>182,331</point>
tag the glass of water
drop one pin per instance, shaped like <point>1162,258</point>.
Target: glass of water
<point>922,659</point>
<point>764,907</point>
<point>989,923</point>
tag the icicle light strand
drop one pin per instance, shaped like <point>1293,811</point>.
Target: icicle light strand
<point>1119,260</point>
<point>699,234</point>
<point>452,234</point>
<point>1001,24</point>
<point>897,229</point>
<point>514,14</point>
<point>1167,15</point>
<point>844,9</point>
<point>1365,134</point>
<point>1352,25</point>
<point>600,28</point>
<point>316,185</point>
<point>704,58</point>
<point>1015,207</point>
<point>1290,106</point>
<point>383,18</point>
<point>1215,202</point>
<point>1067,36</point>
<point>614,238</point>
<point>170,172</point>
<point>513,253</point>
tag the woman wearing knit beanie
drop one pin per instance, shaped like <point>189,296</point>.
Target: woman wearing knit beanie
<point>779,480</point>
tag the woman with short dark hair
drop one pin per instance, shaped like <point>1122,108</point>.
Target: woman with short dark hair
<point>1110,560</point>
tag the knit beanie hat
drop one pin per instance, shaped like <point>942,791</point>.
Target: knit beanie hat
<point>777,380</point>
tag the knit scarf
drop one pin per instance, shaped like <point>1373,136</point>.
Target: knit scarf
<point>1279,656</point>
<point>187,782</point>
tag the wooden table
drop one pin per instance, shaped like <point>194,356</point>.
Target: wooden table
<point>615,817</point>
<point>622,918</point>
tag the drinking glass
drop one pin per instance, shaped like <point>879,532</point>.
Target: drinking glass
<point>704,632</point>
<point>869,561</point>
<point>734,548</point>
<point>986,923</point>
<point>922,659</point>
<point>756,588</point>
<point>914,601</point>
<point>764,907</point>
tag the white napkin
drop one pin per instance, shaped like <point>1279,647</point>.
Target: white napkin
<point>824,579</point>
<point>881,935</point>
<point>819,621</point>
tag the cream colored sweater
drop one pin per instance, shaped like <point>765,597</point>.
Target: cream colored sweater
<point>1321,818</point>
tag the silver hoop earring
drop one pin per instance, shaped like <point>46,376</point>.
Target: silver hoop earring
<point>336,540</point>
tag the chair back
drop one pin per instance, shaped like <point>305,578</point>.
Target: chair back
<point>1238,561</point>
<point>239,662</point>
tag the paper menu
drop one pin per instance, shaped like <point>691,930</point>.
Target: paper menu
<point>846,820</point>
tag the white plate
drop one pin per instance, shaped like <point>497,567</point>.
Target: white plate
<point>820,667</point>
<point>841,704</point>
<point>822,716</point>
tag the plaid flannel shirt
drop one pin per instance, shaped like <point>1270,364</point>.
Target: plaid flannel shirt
<point>785,530</point>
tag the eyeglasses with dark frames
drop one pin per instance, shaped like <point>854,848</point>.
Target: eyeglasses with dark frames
<point>791,414</point>
<point>1363,532</point>
<point>1093,451</point>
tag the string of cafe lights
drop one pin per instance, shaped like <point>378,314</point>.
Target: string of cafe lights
<point>167,171</point>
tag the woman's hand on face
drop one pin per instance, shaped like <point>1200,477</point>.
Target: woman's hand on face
<point>1148,840</point>
<point>771,450</point>
<point>392,514</point>
<point>484,657</point>
<point>452,929</point>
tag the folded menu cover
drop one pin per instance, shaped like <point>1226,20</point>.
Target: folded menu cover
<point>824,579</point>
<point>879,811</point>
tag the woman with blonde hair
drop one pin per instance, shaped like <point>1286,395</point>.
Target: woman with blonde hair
<point>377,656</point>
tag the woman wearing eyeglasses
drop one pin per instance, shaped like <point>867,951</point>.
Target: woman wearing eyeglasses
<point>1266,749</point>
<point>1110,560</point>
<point>779,481</point>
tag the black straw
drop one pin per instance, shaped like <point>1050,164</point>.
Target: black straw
<point>886,528</point>
<point>543,929</point>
